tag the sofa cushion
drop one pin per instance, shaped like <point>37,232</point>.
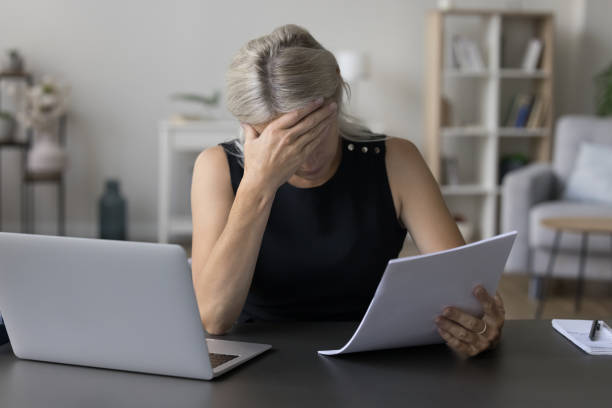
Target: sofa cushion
<point>542,237</point>
<point>591,178</point>
<point>570,132</point>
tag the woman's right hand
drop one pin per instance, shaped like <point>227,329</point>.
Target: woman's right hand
<point>272,157</point>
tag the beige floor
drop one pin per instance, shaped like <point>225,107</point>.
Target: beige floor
<point>596,303</point>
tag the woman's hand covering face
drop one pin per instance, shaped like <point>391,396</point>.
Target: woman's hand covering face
<point>273,156</point>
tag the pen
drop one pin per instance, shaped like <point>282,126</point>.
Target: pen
<point>594,328</point>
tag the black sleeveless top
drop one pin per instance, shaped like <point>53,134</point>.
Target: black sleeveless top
<point>325,248</point>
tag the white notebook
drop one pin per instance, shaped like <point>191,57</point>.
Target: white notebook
<point>416,289</point>
<point>577,331</point>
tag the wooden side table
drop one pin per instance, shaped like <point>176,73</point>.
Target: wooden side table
<point>583,226</point>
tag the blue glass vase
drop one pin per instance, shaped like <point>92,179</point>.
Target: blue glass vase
<point>112,212</point>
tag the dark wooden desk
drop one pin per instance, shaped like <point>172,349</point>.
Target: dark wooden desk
<point>534,366</point>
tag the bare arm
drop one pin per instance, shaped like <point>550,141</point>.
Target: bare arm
<point>227,236</point>
<point>228,230</point>
<point>421,206</point>
<point>423,210</point>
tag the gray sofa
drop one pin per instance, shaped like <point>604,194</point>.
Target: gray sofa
<point>533,192</point>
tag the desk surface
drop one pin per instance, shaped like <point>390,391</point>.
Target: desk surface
<point>533,366</point>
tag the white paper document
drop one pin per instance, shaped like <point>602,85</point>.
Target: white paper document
<point>577,331</point>
<point>414,290</point>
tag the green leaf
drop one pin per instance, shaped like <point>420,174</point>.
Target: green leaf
<point>603,92</point>
<point>212,100</point>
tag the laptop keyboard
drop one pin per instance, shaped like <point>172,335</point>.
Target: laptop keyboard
<point>217,359</point>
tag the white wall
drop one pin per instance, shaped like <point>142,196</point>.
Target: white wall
<point>123,59</point>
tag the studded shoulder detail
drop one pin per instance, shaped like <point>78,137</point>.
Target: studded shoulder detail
<point>364,148</point>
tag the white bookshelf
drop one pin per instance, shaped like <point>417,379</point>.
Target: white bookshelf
<point>520,73</point>
<point>474,132</point>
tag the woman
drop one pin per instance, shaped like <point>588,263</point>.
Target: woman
<point>298,219</point>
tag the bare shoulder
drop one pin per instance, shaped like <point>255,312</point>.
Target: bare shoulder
<point>396,144</point>
<point>422,207</point>
<point>402,155</point>
<point>402,161</point>
<point>212,158</point>
<point>211,173</point>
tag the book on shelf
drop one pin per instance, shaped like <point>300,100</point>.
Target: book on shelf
<point>538,113</point>
<point>524,109</point>
<point>466,54</point>
<point>527,111</point>
<point>519,110</point>
<point>532,55</point>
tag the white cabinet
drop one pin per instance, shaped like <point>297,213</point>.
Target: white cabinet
<point>179,145</point>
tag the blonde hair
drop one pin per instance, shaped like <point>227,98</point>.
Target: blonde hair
<point>283,71</point>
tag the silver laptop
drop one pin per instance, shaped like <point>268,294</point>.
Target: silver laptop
<point>109,304</point>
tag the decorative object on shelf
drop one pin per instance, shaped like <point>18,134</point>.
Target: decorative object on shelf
<point>7,127</point>
<point>603,98</point>
<point>465,227</point>
<point>531,59</point>
<point>112,213</point>
<point>450,171</point>
<point>212,100</point>
<point>511,162</point>
<point>445,4</point>
<point>538,112</point>
<point>519,110</point>
<point>207,102</point>
<point>44,105</point>
<point>466,54</point>
<point>14,63</point>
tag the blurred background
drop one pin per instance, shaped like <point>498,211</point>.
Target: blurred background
<point>128,93</point>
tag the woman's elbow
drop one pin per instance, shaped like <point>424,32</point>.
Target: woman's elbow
<point>216,329</point>
<point>214,325</point>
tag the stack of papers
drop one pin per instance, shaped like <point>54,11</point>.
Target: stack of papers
<point>409,295</point>
<point>577,331</point>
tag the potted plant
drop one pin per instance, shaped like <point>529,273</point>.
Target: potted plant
<point>44,104</point>
<point>603,96</point>
<point>510,162</point>
<point>208,102</point>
